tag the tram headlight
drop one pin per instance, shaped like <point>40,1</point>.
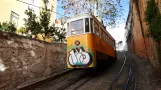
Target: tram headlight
<point>77,42</point>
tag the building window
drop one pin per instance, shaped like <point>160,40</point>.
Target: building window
<point>14,18</point>
<point>32,2</point>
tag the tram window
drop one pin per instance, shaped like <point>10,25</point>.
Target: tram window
<point>110,41</point>
<point>96,28</point>
<point>91,22</point>
<point>87,25</point>
<point>113,44</point>
<point>77,27</point>
<point>101,34</point>
<point>69,30</point>
<point>106,38</point>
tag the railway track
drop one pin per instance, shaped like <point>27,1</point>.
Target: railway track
<point>118,75</point>
<point>131,80</point>
<point>40,82</point>
<point>130,83</point>
<point>76,83</point>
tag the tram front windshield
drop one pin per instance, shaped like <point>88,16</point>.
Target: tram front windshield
<point>76,27</point>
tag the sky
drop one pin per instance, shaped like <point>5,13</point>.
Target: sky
<point>119,31</point>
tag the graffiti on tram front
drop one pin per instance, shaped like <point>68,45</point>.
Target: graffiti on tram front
<point>79,57</point>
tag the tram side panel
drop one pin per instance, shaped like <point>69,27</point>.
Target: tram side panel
<point>103,49</point>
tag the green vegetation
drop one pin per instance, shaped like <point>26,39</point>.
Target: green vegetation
<point>31,23</point>
<point>40,27</point>
<point>110,11</point>
<point>7,27</point>
<point>128,37</point>
<point>153,18</point>
<point>21,30</point>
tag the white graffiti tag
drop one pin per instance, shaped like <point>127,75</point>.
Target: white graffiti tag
<point>79,57</point>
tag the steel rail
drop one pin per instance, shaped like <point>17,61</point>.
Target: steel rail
<point>118,75</point>
<point>24,87</point>
<point>128,80</point>
<point>72,83</point>
<point>131,77</point>
<point>83,83</point>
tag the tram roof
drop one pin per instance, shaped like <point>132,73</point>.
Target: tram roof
<point>77,17</point>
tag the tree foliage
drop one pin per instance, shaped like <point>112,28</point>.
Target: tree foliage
<point>108,10</point>
<point>31,23</point>
<point>21,30</point>
<point>7,27</point>
<point>153,18</point>
<point>129,35</point>
<point>41,25</point>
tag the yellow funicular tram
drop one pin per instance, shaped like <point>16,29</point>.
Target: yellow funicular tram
<point>88,42</point>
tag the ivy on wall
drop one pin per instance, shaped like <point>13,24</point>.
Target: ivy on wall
<point>129,35</point>
<point>7,27</point>
<point>153,18</point>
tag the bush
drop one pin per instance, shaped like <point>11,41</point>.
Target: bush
<point>21,30</point>
<point>7,27</point>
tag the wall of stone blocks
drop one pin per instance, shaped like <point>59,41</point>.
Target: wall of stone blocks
<point>25,60</point>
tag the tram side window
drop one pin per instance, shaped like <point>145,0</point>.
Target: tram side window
<point>91,22</point>
<point>110,41</point>
<point>69,30</point>
<point>101,33</point>
<point>77,27</point>
<point>87,25</point>
<point>106,38</point>
<point>113,43</point>
<point>96,28</point>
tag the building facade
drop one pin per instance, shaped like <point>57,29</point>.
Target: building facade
<point>138,41</point>
<point>13,10</point>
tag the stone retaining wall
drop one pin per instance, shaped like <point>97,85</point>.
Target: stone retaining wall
<point>27,60</point>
